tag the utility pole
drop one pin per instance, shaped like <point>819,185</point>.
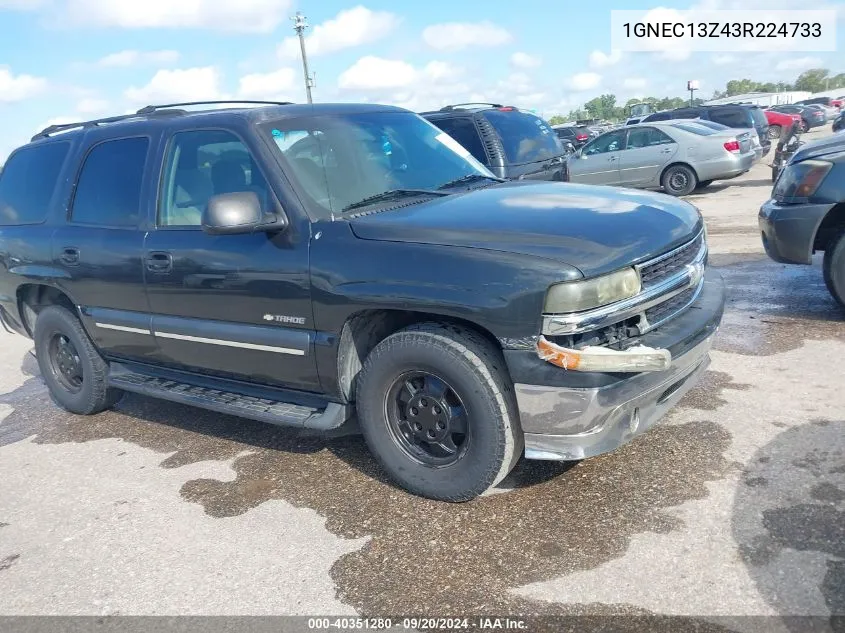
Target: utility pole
<point>299,25</point>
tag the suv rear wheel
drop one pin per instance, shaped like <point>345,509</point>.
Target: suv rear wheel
<point>834,267</point>
<point>679,180</point>
<point>437,409</point>
<point>74,371</point>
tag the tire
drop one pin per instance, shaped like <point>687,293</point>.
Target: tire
<point>474,374</point>
<point>774,132</point>
<point>704,184</point>
<point>834,267</point>
<point>803,126</point>
<point>679,180</point>
<point>55,326</point>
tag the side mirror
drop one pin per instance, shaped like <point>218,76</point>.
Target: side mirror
<point>235,213</point>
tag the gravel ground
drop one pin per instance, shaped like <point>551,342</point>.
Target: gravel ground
<point>734,505</point>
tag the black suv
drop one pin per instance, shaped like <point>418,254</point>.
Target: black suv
<point>511,143</point>
<point>738,115</point>
<point>300,264</point>
<point>806,213</point>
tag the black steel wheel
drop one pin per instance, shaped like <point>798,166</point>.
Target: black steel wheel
<point>64,362</point>
<point>436,406</point>
<point>427,418</point>
<point>679,180</point>
<point>73,369</point>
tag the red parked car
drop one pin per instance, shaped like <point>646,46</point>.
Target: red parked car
<point>778,121</point>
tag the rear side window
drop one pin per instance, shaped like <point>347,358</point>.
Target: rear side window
<point>660,116</point>
<point>646,137</point>
<point>28,181</point>
<point>732,117</point>
<point>463,130</point>
<point>108,191</point>
<point>525,137</point>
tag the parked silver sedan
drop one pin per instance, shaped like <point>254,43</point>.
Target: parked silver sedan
<point>679,157</point>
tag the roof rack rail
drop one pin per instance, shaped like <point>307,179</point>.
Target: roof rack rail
<point>61,127</point>
<point>471,103</point>
<point>152,108</point>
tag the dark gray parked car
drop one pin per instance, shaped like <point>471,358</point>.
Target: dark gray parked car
<point>806,212</point>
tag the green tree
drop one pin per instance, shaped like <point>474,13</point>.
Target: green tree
<point>558,119</point>
<point>812,80</point>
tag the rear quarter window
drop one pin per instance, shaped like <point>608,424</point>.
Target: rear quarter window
<point>28,182</point>
<point>526,138</point>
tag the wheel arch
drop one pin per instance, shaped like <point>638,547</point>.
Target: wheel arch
<point>831,225</point>
<point>34,297</point>
<point>365,329</point>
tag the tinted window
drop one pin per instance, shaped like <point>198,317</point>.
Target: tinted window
<point>525,137</point>
<point>686,114</point>
<point>610,142</point>
<point>108,192</point>
<point>646,137</point>
<point>565,132</point>
<point>203,163</point>
<point>28,181</point>
<point>732,117</point>
<point>660,116</point>
<point>463,130</point>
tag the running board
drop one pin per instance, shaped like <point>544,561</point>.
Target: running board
<point>230,402</point>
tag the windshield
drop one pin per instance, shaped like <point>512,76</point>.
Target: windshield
<point>526,138</point>
<point>342,159</point>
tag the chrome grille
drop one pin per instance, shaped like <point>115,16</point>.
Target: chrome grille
<point>660,269</point>
<point>662,311</point>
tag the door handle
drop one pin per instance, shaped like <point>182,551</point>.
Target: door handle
<point>70,255</point>
<point>611,159</point>
<point>159,262</point>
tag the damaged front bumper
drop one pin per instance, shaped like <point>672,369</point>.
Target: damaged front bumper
<point>572,415</point>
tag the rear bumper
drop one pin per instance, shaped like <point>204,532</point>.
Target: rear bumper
<point>726,167</point>
<point>789,230</point>
<point>569,415</point>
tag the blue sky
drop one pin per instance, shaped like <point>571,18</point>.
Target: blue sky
<point>76,59</point>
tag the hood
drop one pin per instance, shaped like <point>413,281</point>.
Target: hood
<point>822,148</point>
<point>592,228</point>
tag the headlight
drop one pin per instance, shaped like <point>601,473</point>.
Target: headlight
<point>799,181</point>
<point>576,296</point>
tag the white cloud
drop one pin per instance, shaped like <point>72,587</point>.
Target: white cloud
<point>456,36</point>
<point>799,63</point>
<point>278,85</point>
<point>600,59</point>
<point>371,72</point>
<point>721,60</point>
<point>524,60</point>
<point>635,83</point>
<point>249,16</point>
<point>19,87</point>
<point>92,106</point>
<point>584,81</point>
<point>374,79</point>
<point>347,29</point>
<point>134,58</point>
<point>190,84</point>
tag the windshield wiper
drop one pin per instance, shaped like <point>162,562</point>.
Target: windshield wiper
<point>468,179</point>
<point>393,194</point>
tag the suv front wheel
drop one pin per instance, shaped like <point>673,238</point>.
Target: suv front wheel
<point>834,267</point>
<point>74,371</point>
<point>437,409</point>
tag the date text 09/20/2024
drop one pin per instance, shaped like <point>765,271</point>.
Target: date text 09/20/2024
<point>418,623</point>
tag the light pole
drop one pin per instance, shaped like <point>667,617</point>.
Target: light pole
<point>692,86</point>
<point>299,25</point>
